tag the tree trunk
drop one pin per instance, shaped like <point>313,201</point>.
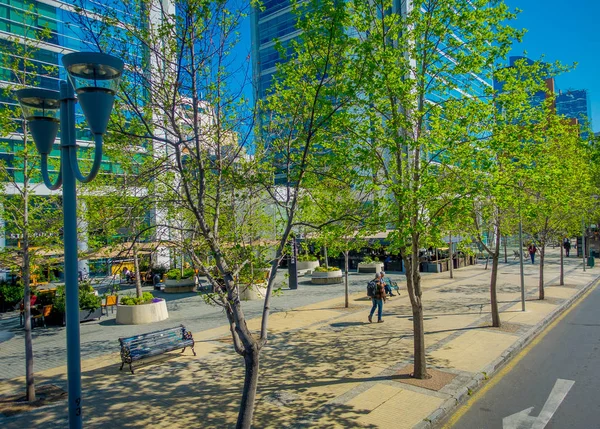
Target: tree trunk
<point>505,252</point>
<point>493,282</point>
<point>325,256</point>
<point>451,254</point>
<point>136,266</point>
<point>251,360</point>
<point>29,380</point>
<point>346,303</point>
<point>562,266</point>
<point>541,283</point>
<point>413,285</point>
<point>487,260</point>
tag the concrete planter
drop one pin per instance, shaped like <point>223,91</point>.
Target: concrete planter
<point>372,267</point>
<point>142,314</point>
<point>179,286</point>
<point>306,265</point>
<point>252,292</point>
<point>326,278</point>
<point>85,315</point>
<point>433,267</point>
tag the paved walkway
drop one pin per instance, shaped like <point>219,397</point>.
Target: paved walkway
<point>324,367</point>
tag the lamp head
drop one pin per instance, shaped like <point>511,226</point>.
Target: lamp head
<point>95,77</point>
<point>41,107</point>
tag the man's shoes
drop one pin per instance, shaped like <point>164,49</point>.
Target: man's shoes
<point>380,321</point>
<point>370,319</point>
<point>391,294</point>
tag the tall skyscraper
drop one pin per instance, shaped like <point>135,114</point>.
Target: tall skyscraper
<point>273,21</point>
<point>575,103</point>
<point>34,35</point>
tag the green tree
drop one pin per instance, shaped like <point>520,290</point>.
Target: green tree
<point>183,104</point>
<point>417,133</point>
<point>27,215</point>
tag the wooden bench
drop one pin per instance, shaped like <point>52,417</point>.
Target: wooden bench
<point>154,343</point>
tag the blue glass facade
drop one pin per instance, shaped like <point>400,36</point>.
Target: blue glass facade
<point>21,19</point>
<point>575,103</point>
<point>274,22</point>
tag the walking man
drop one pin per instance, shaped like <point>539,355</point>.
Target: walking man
<point>378,299</point>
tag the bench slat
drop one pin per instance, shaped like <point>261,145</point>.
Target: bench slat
<point>154,343</point>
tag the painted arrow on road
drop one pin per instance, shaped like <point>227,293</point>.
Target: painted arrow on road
<point>522,419</point>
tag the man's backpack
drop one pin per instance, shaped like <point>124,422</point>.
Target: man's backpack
<point>371,288</point>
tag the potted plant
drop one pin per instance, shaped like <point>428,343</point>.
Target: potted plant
<point>89,303</point>
<point>180,280</point>
<point>145,309</point>
<point>324,275</point>
<point>370,265</point>
<point>252,283</point>
<point>307,261</point>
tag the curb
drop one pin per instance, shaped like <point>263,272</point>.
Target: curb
<point>461,396</point>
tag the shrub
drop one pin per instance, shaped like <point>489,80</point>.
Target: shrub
<point>175,274</point>
<point>305,257</point>
<point>146,298</point>
<point>326,270</point>
<point>11,294</point>
<point>369,260</point>
<point>159,269</point>
<point>87,299</point>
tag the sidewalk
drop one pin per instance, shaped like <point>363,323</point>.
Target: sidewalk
<point>325,366</point>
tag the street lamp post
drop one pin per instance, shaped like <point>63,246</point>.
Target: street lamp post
<point>95,78</point>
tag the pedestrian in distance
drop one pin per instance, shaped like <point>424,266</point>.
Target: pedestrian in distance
<point>567,246</point>
<point>376,291</point>
<point>532,249</point>
<point>387,284</point>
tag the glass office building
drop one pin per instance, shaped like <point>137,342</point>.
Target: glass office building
<point>24,19</point>
<point>22,23</point>
<point>575,103</point>
<point>274,21</point>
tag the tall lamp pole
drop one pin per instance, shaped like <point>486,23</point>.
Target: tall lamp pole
<point>95,78</point>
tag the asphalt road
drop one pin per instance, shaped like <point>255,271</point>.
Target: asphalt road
<point>543,379</point>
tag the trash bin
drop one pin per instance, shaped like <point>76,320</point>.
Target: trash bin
<point>591,261</point>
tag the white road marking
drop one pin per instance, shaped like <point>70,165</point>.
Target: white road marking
<point>522,419</point>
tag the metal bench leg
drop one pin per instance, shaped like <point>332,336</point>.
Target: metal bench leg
<point>131,368</point>
<point>193,350</point>
<point>183,349</point>
<point>122,363</point>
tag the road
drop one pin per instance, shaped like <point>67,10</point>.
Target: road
<point>559,376</point>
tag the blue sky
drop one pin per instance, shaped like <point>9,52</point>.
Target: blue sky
<point>566,31</point>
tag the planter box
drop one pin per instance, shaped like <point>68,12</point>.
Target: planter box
<point>252,292</point>
<point>306,265</point>
<point>180,286</point>
<point>85,315</point>
<point>142,314</point>
<point>326,278</point>
<point>433,267</point>
<point>373,267</point>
